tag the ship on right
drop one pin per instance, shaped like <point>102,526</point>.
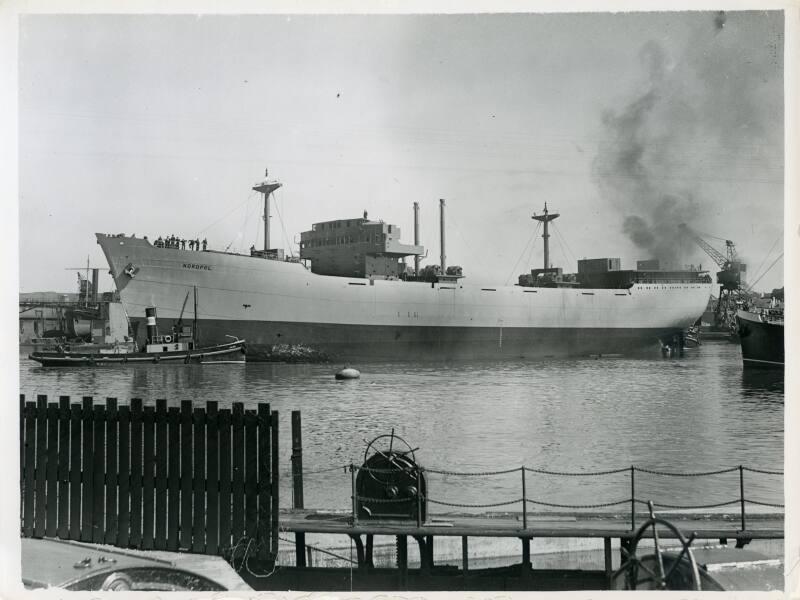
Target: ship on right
<point>760,330</point>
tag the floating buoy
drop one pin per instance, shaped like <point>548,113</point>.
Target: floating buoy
<point>348,373</point>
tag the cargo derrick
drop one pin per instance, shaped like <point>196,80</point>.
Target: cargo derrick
<point>729,279</point>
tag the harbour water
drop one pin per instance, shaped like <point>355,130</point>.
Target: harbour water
<point>699,412</point>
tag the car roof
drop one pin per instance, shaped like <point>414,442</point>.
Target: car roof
<point>49,562</point>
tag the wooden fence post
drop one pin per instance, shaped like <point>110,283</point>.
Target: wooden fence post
<point>237,469</point>
<point>275,482</point>
<point>52,470</point>
<point>212,478</point>
<point>186,475</point>
<point>199,474</point>
<point>63,467</point>
<point>174,476</point>
<point>87,462</point>
<point>135,536</point>
<point>264,478</point>
<point>297,485</point>
<point>98,477</point>
<point>161,458</point>
<point>112,470</point>
<point>224,419</point>
<point>124,478</point>
<point>40,511</point>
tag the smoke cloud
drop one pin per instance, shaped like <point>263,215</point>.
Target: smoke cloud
<point>695,119</point>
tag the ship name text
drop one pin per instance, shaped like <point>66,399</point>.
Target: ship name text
<point>196,266</point>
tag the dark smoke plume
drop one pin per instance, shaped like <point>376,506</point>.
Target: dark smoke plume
<point>683,128</point>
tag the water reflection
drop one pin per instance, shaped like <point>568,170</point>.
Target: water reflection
<point>763,383</point>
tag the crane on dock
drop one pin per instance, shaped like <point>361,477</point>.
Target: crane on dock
<point>730,278</point>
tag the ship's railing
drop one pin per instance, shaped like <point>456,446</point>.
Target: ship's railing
<point>526,481</point>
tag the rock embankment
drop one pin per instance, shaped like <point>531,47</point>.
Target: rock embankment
<point>290,353</point>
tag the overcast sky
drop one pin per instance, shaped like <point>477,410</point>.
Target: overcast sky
<point>626,124</point>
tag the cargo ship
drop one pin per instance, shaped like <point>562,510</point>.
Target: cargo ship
<point>351,295</point>
<point>761,337</point>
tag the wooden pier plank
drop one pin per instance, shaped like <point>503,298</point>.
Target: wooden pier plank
<point>112,471</point>
<point>148,475</point>
<point>186,475</point>
<point>124,475</point>
<point>63,467</point>
<point>87,468</point>
<point>135,536</point>
<point>98,478</point>
<point>707,526</point>
<point>161,457</point>
<point>40,510</point>
<point>199,477</point>
<point>52,469</point>
<point>224,499</point>
<point>174,476</point>
<point>212,478</point>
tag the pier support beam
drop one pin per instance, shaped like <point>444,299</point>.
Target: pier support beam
<point>297,485</point>
<point>360,558</point>
<point>526,557</point>
<point>608,561</point>
<point>465,556</point>
<point>402,561</point>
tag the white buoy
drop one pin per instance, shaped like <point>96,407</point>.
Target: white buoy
<point>348,373</point>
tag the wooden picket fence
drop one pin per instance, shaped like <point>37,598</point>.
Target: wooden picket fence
<point>188,478</point>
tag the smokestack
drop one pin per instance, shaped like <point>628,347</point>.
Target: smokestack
<point>95,282</point>
<point>152,328</point>
<point>441,228</point>
<point>416,237</point>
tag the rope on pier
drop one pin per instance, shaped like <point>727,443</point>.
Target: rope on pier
<point>697,474</point>
<point>493,505</point>
<point>762,471</point>
<point>604,505</point>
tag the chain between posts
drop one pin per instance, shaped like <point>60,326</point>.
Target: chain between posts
<point>420,497</point>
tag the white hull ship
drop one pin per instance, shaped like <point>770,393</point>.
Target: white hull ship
<point>358,300</point>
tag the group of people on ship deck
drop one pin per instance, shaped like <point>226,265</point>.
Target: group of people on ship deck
<point>177,243</point>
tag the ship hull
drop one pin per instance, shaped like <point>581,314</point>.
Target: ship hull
<point>761,342</point>
<point>366,342</point>
<point>274,303</point>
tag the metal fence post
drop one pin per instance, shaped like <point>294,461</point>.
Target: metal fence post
<point>353,487</point>
<point>419,497</point>
<point>741,495</point>
<point>633,500</point>
<point>524,501</point>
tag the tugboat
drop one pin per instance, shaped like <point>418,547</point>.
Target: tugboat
<point>178,347</point>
